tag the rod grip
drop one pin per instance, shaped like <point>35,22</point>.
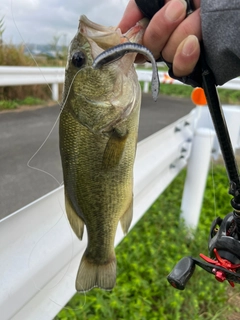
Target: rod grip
<point>149,7</point>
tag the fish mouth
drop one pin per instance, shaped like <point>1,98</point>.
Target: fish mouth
<point>102,38</point>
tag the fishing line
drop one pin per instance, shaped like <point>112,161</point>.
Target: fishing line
<point>38,169</point>
<point>47,137</point>
<point>56,121</point>
<point>68,265</point>
<point>212,172</point>
<point>28,164</point>
<point>43,171</point>
<point>41,237</point>
<point>85,296</point>
<point>197,118</point>
<point>213,189</point>
<point>29,51</point>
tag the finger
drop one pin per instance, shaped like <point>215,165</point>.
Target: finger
<point>163,24</point>
<point>196,3</point>
<point>186,56</point>
<point>130,17</point>
<point>190,26</point>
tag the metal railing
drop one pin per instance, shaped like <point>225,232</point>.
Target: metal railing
<point>14,76</point>
<point>20,76</point>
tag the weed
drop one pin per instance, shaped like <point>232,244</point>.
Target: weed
<point>14,104</point>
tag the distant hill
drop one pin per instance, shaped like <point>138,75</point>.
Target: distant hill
<point>44,49</point>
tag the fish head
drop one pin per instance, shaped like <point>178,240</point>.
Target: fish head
<point>113,87</point>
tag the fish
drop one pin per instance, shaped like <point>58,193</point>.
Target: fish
<point>98,130</point>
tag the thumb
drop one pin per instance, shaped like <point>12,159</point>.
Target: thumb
<point>130,17</point>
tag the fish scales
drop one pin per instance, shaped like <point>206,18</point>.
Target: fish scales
<point>98,135</point>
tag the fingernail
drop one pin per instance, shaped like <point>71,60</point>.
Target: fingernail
<point>190,45</point>
<point>175,9</point>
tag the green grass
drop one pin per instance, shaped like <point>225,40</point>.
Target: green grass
<point>146,256</point>
<point>14,104</point>
<point>8,104</point>
<point>227,96</point>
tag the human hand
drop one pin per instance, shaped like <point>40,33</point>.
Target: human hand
<point>170,33</point>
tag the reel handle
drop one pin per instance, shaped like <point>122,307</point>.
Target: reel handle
<point>181,273</point>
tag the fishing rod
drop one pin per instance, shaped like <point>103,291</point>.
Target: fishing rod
<point>224,237</point>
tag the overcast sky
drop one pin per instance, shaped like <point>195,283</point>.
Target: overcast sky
<point>38,21</point>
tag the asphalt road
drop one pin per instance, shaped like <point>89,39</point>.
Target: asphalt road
<point>23,132</point>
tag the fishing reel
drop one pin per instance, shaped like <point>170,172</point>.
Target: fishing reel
<point>224,250</point>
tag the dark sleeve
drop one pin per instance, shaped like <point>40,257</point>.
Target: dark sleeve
<point>221,37</point>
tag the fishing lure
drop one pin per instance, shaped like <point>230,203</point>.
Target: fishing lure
<point>117,52</point>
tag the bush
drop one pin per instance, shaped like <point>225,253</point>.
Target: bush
<point>11,55</point>
<point>14,104</point>
<point>147,255</point>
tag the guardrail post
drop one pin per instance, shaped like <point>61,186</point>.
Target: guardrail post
<point>195,181</point>
<point>146,87</point>
<point>55,94</point>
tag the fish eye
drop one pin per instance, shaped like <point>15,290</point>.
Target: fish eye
<point>78,59</point>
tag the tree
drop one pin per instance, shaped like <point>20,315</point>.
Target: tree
<point>54,45</point>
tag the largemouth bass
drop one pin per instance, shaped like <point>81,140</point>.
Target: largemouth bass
<point>98,135</point>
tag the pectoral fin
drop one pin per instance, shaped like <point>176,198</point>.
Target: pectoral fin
<point>126,219</point>
<point>75,221</point>
<point>114,150</point>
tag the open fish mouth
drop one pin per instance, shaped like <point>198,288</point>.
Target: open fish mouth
<point>102,38</point>
<point>108,44</point>
<point>117,52</point>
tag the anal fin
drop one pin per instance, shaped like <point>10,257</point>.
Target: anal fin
<point>126,218</point>
<point>75,221</point>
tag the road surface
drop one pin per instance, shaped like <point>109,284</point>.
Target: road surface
<point>22,133</point>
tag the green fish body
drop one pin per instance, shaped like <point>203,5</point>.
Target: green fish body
<point>98,135</point>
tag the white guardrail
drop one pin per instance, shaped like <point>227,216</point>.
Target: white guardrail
<point>14,76</point>
<point>20,76</point>
<point>39,254</point>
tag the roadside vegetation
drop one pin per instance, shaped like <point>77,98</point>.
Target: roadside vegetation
<point>226,96</point>
<point>13,97</point>
<point>14,104</point>
<point>147,255</point>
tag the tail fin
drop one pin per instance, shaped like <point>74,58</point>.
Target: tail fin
<point>92,275</point>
